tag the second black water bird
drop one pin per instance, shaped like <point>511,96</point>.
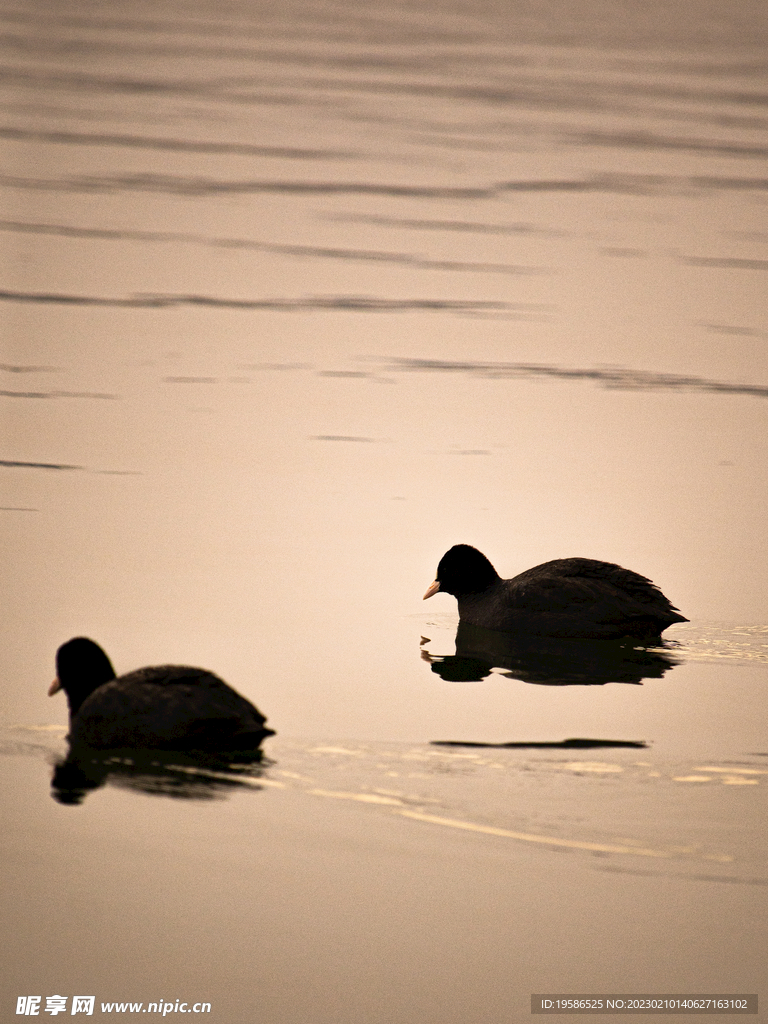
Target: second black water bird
<point>568,597</point>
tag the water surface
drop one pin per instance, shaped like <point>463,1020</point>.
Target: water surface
<point>294,298</point>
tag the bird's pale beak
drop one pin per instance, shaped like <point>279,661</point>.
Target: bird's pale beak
<point>432,590</point>
<point>54,687</point>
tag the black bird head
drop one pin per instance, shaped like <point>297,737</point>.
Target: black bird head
<point>463,570</point>
<point>81,667</point>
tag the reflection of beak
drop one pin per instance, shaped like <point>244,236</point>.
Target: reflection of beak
<point>432,590</point>
<point>54,687</point>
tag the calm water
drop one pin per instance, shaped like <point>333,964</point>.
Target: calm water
<point>295,297</point>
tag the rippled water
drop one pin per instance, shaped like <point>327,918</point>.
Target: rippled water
<point>296,296</point>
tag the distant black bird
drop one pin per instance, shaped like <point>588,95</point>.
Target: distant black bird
<point>569,597</point>
<point>169,707</point>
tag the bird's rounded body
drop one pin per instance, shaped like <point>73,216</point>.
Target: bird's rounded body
<point>171,707</point>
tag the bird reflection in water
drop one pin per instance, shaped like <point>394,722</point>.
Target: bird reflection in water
<point>158,773</point>
<point>548,661</point>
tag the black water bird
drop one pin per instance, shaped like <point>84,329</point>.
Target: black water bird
<point>568,597</point>
<point>166,707</point>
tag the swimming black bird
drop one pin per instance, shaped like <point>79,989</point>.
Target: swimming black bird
<point>568,597</point>
<point>168,707</point>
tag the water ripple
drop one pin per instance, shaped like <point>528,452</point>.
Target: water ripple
<point>18,464</point>
<point>202,187</point>
<point>313,251</point>
<point>342,437</point>
<point>55,394</point>
<point>170,184</point>
<point>614,377</point>
<point>423,224</point>
<point>13,464</point>
<point>741,332</point>
<point>173,145</point>
<point>649,140</point>
<point>523,90</point>
<point>725,263</point>
<point>11,368</point>
<point>353,303</point>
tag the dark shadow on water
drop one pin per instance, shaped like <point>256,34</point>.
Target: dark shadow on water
<point>188,776</point>
<point>572,744</point>
<point>548,662</point>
